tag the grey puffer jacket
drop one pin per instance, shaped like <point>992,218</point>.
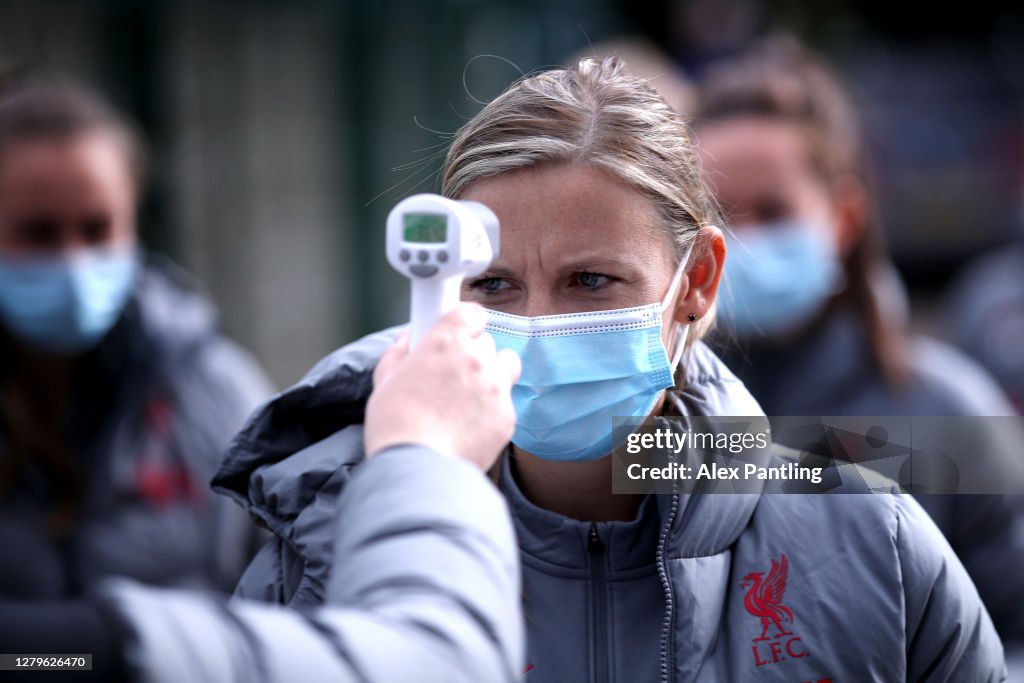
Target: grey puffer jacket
<point>425,588</point>
<point>870,589</point>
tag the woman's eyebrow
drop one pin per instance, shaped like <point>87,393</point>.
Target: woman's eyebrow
<point>621,266</point>
<point>496,271</point>
<point>598,263</point>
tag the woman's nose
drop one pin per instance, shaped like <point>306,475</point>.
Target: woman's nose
<point>537,304</point>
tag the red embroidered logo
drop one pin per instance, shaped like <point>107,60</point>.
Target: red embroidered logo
<point>764,600</point>
<point>161,478</point>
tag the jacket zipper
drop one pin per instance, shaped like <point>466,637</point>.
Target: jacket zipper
<point>599,601</point>
<point>666,624</point>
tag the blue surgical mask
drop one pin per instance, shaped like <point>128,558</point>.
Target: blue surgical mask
<point>777,278</point>
<point>582,369</point>
<point>65,303</point>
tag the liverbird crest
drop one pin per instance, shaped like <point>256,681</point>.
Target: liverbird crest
<point>764,598</point>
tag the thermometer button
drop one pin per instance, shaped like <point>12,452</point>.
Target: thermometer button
<point>423,255</point>
<point>404,255</point>
<point>422,271</point>
<point>442,257</point>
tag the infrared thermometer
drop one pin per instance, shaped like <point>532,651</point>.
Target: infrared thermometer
<point>437,242</point>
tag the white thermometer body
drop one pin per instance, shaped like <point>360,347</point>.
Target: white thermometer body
<point>437,242</point>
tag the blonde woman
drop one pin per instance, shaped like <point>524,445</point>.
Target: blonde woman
<point>608,276</point>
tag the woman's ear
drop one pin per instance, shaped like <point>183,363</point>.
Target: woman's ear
<point>702,277</point>
<point>849,198</point>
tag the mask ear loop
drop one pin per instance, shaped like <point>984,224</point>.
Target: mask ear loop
<point>682,331</point>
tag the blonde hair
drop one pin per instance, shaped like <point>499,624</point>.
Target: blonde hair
<point>593,113</point>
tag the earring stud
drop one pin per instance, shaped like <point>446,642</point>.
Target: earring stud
<point>691,317</point>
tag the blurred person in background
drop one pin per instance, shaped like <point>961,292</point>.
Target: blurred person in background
<point>117,392</point>
<point>988,297</point>
<point>813,313</point>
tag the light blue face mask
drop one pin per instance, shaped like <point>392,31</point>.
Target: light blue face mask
<point>65,303</point>
<point>777,278</point>
<point>582,369</point>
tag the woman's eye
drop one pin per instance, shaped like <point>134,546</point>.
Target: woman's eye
<point>489,285</point>
<point>96,228</point>
<point>40,232</point>
<point>592,280</point>
<point>772,210</point>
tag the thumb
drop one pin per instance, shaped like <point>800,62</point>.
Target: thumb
<point>467,318</point>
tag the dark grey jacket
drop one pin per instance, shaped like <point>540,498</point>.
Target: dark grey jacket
<point>986,302</point>
<point>873,590</point>
<point>156,404</point>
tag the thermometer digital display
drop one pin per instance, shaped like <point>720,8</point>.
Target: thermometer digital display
<point>425,227</point>
<point>437,242</point>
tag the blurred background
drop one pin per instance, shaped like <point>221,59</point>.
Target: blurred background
<point>281,133</point>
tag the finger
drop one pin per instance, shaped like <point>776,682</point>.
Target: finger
<point>391,358</point>
<point>464,321</point>
<point>484,346</point>
<point>511,366</point>
<point>472,318</point>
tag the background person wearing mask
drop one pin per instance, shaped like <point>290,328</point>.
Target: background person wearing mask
<point>117,392</point>
<point>813,313</point>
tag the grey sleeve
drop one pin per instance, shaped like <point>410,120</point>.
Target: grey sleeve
<point>949,635</point>
<point>217,390</point>
<point>219,386</point>
<point>425,587</point>
<point>987,534</point>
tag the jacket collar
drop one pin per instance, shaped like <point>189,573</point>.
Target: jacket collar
<point>329,398</point>
<point>706,524</point>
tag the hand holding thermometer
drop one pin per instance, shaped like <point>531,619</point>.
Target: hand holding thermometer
<point>437,242</point>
